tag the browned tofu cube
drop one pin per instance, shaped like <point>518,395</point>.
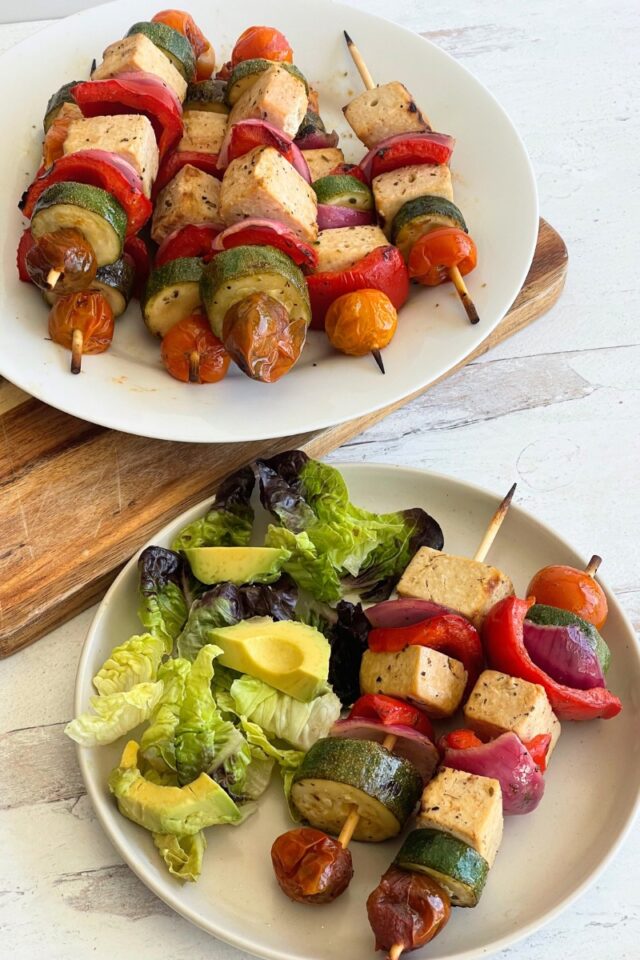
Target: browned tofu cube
<point>426,677</point>
<point>322,161</point>
<point>392,190</point>
<point>342,247</point>
<point>203,131</point>
<point>383,112</point>
<point>131,136</point>
<point>277,97</point>
<point>466,806</point>
<point>191,197</point>
<point>136,54</point>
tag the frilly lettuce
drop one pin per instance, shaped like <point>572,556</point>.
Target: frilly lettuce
<point>229,521</point>
<point>336,546</point>
<point>157,746</point>
<point>163,606</point>
<point>182,855</point>
<point>135,661</point>
<point>115,715</point>
<point>281,716</point>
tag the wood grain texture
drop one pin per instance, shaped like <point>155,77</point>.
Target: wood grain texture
<point>76,500</point>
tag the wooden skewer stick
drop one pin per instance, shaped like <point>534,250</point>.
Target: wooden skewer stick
<point>494,525</point>
<point>395,951</point>
<point>592,566</point>
<point>194,367</point>
<point>378,359</point>
<point>454,274</point>
<point>350,824</point>
<point>77,342</point>
<point>52,278</point>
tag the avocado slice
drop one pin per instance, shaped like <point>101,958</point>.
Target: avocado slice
<point>236,564</point>
<point>290,656</point>
<point>176,810</point>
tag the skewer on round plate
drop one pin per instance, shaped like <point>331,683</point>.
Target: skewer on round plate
<point>593,565</point>
<point>77,342</point>
<point>454,273</point>
<point>194,367</point>
<point>377,356</point>
<point>52,278</point>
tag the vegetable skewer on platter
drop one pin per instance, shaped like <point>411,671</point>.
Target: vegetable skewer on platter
<point>328,784</point>
<point>437,252</point>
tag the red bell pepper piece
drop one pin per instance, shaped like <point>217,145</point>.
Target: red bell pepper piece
<point>26,242</point>
<point>134,93</point>
<point>136,248</point>
<point>98,168</point>
<point>504,646</point>
<point>191,241</point>
<point>349,170</point>
<point>263,233</point>
<point>449,633</point>
<point>407,152</point>
<point>391,712</point>
<point>174,162</point>
<point>538,747</point>
<point>382,269</point>
<point>459,740</point>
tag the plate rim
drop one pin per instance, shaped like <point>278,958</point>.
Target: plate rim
<point>197,428</point>
<point>99,799</point>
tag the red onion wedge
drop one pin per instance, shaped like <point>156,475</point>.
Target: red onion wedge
<point>318,140</point>
<point>244,136</point>
<point>405,149</point>
<point>507,760</point>
<point>330,217</point>
<point>272,233</point>
<point>403,612</point>
<point>411,744</point>
<point>564,654</point>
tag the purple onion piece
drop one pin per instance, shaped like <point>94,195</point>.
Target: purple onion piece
<point>411,744</point>
<point>403,612</point>
<point>330,217</point>
<point>319,140</point>
<point>507,760</point>
<point>565,654</point>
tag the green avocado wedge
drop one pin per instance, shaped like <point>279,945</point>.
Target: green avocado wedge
<point>236,564</point>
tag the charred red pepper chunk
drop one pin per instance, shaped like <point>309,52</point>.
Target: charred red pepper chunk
<point>190,241</point>
<point>391,712</point>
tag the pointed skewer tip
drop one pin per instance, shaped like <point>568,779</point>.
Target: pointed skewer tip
<point>378,359</point>
<point>348,38</point>
<point>593,565</point>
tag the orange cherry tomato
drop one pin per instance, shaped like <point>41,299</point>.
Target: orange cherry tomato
<point>192,353</point>
<point>83,323</point>
<point>262,338</point>
<point>570,589</point>
<point>360,322</point>
<point>436,252</point>
<point>53,146</point>
<point>265,43</point>
<point>66,252</point>
<point>186,25</point>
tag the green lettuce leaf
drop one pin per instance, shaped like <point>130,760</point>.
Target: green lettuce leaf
<point>335,545</point>
<point>246,773</point>
<point>115,715</point>
<point>157,745</point>
<point>135,661</point>
<point>182,855</point>
<point>229,521</point>
<point>203,739</point>
<point>281,716</point>
<point>163,607</point>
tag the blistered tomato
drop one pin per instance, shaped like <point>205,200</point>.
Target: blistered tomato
<point>262,43</point>
<point>360,322</point>
<point>192,353</point>
<point>571,589</point>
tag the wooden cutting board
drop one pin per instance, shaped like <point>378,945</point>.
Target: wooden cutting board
<point>77,500</point>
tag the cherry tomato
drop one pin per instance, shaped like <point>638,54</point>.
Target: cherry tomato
<point>83,323</point>
<point>407,910</point>
<point>360,322</point>
<point>68,254</point>
<point>192,353</point>
<point>436,252</point>
<point>186,25</point>
<point>261,337</point>
<point>53,146</point>
<point>570,589</point>
<point>310,866</point>
<point>262,43</point>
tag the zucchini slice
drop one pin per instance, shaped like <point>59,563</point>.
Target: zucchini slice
<point>338,774</point>
<point>94,212</point>
<point>455,865</point>
<point>420,216</point>
<point>173,293</point>
<point>172,43</point>
<point>235,274</point>
<point>56,101</point>
<point>341,190</point>
<point>248,71</point>
<point>114,281</point>
<point>207,95</point>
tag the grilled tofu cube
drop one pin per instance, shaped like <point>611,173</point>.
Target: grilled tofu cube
<point>203,131</point>
<point>468,586</point>
<point>383,112</point>
<point>427,677</point>
<point>339,249</point>
<point>499,703</point>
<point>277,97</point>
<point>131,136</point>
<point>322,161</point>
<point>263,184</point>
<point>191,197</point>
<point>465,806</point>
<point>391,190</point>
<point>138,54</point>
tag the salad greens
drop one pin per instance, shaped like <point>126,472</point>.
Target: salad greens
<point>337,547</point>
<point>213,736</point>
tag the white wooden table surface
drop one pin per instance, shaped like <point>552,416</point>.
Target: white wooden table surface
<point>556,408</point>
